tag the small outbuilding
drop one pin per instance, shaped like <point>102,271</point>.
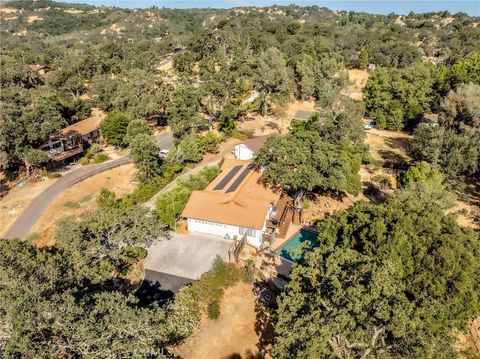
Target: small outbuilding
<point>303,115</point>
<point>429,119</point>
<point>246,150</point>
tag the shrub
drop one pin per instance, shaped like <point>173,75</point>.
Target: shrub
<point>170,204</point>
<point>383,180</point>
<point>239,135</point>
<point>11,175</point>
<point>208,290</point>
<point>209,142</point>
<point>54,175</point>
<point>100,158</point>
<point>84,161</point>
<point>213,310</point>
<point>106,198</point>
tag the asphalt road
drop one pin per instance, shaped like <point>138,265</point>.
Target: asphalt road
<point>22,226</point>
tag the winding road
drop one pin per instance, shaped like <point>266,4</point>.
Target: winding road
<point>22,226</point>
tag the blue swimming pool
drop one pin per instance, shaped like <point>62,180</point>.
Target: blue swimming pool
<point>298,245</point>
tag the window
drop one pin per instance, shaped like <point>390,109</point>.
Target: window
<point>249,231</point>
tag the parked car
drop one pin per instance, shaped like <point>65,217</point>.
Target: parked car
<point>163,153</point>
<point>367,126</point>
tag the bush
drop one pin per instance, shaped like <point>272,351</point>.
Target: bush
<point>100,158</point>
<point>383,180</point>
<point>11,175</point>
<point>106,199</point>
<point>213,310</point>
<point>209,142</point>
<point>208,290</point>
<point>84,161</point>
<point>239,135</point>
<point>54,175</point>
<point>170,204</point>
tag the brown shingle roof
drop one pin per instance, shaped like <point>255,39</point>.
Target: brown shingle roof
<point>255,143</point>
<point>83,127</point>
<point>247,206</point>
<point>303,115</point>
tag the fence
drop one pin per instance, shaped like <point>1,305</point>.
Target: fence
<point>99,168</point>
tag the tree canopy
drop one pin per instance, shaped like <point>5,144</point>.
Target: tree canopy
<point>387,280</point>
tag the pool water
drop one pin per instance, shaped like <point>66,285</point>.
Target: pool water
<point>294,245</point>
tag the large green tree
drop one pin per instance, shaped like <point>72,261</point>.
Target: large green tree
<point>144,153</point>
<point>388,280</point>
<point>114,128</point>
<point>48,309</point>
<point>304,162</point>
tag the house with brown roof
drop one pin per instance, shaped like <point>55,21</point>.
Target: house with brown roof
<point>72,139</point>
<point>234,205</point>
<point>246,150</point>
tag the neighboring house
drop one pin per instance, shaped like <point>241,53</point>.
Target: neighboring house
<point>72,139</point>
<point>234,205</point>
<point>303,115</point>
<point>246,150</point>
<point>429,119</point>
<point>40,69</point>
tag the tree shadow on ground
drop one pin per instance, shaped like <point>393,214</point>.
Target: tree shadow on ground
<point>247,355</point>
<point>152,292</point>
<point>266,295</point>
<point>374,193</point>
<point>398,143</point>
<point>273,126</point>
<point>393,160</point>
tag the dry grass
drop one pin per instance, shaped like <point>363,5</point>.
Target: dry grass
<point>233,335</point>
<point>16,200</point>
<point>385,144</point>
<point>33,18</point>
<point>358,78</point>
<point>80,198</point>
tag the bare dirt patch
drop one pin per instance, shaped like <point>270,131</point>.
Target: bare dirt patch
<point>33,18</point>
<point>73,11</point>
<point>8,10</point>
<point>16,200</point>
<point>81,197</point>
<point>233,335</point>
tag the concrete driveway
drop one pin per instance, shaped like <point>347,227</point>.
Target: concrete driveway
<point>184,256</point>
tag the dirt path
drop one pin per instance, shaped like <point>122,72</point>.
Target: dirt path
<point>233,335</point>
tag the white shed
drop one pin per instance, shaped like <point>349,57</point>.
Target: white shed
<point>246,150</point>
